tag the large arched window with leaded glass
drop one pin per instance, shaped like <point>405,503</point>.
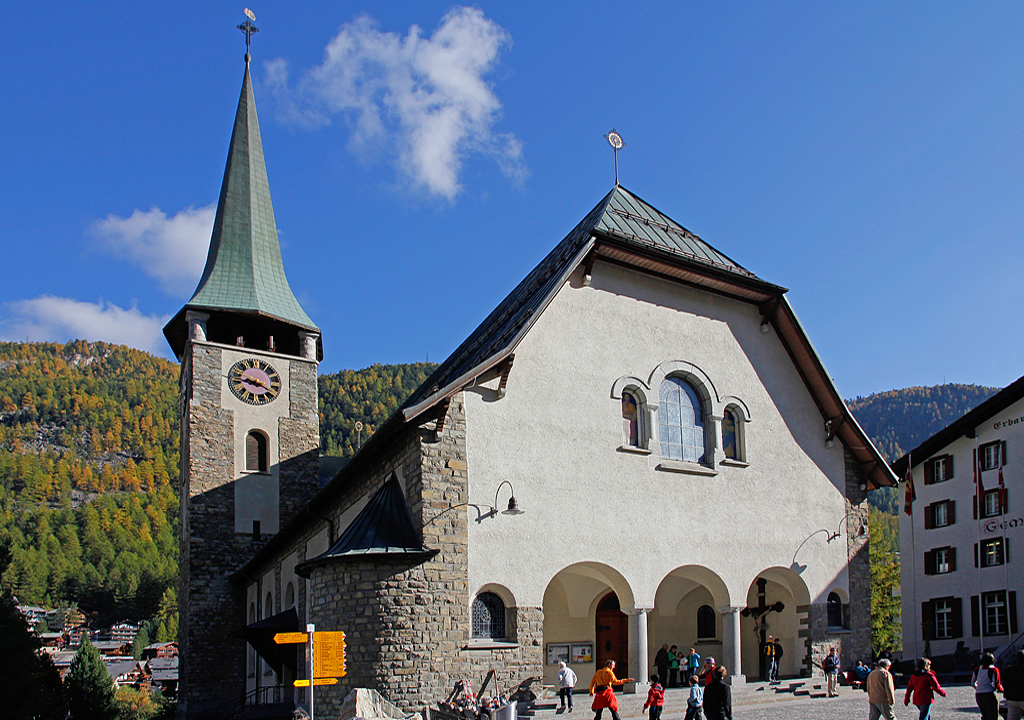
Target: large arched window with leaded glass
<point>489,616</point>
<point>681,421</point>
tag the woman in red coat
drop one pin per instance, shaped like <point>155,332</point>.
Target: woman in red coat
<point>602,689</point>
<point>922,686</point>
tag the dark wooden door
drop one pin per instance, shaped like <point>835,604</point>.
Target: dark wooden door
<point>612,635</point>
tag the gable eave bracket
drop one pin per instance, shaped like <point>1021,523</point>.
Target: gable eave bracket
<point>506,368</point>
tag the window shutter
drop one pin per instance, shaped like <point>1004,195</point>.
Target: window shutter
<point>929,517</point>
<point>975,617</point>
<point>252,452</point>
<point>1004,452</point>
<point>928,620</point>
<point>949,467</point>
<point>975,506</point>
<point>1006,501</point>
<point>975,554</point>
<point>929,563</point>
<point>952,559</point>
<point>950,512</point>
<point>929,472</point>
<point>1012,602</point>
<point>957,618</point>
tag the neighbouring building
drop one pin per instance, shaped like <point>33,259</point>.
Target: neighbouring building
<point>960,574</point>
<point>683,471</point>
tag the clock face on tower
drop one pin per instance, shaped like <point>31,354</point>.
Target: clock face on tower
<point>254,381</point>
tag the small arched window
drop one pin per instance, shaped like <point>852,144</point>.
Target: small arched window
<point>835,610</point>
<point>256,452</point>
<point>268,606</point>
<point>705,622</point>
<point>489,616</point>
<point>731,436</point>
<point>289,596</point>
<point>631,420</point>
<point>681,422</point>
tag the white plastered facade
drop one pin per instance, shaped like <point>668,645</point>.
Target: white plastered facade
<point>666,537</point>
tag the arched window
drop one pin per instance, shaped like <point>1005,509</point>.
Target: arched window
<point>730,436</point>
<point>488,616</point>
<point>268,606</point>
<point>631,420</point>
<point>705,622</point>
<point>256,452</point>
<point>289,596</point>
<point>835,610</point>
<point>251,655</point>
<point>681,422</point>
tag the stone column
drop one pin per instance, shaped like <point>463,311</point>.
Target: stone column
<point>637,648</point>
<point>196,325</point>
<point>307,343</point>
<point>731,653</point>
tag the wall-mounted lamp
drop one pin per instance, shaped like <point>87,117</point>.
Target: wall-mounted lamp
<point>481,515</point>
<point>764,326</point>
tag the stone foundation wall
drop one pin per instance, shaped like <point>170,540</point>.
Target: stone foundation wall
<point>512,665</point>
<point>857,646</point>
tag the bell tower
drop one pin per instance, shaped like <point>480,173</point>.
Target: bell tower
<point>250,431</point>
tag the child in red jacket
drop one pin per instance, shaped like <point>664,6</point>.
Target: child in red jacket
<point>923,685</point>
<point>655,698</point>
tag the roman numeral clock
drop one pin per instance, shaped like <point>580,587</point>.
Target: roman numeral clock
<point>254,381</point>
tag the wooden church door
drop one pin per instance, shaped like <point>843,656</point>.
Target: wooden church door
<point>612,635</point>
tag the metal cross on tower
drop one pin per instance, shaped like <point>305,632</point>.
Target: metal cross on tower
<point>249,29</point>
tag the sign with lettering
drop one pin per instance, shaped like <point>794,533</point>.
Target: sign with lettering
<point>994,526</point>
<point>289,638</point>
<point>329,654</point>
<point>318,681</point>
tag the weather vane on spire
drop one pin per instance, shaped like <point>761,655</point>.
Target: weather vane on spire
<point>617,143</point>
<point>249,29</point>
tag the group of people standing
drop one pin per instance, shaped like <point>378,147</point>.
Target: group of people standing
<point>675,666</point>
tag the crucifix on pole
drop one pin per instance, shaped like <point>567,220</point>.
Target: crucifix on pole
<point>760,615</point>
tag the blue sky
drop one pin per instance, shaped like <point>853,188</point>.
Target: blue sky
<point>423,157</point>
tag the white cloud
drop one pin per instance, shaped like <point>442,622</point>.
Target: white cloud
<point>426,97</point>
<point>57,319</point>
<point>172,250</point>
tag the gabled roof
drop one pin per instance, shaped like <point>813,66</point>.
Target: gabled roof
<point>382,529</point>
<point>244,272</point>
<point>625,230</point>
<point>958,428</point>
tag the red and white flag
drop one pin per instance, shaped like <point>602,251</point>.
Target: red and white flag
<point>911,493</point>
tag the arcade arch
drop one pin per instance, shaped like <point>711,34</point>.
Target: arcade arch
<point>678,617</point>
<point>773,599</point>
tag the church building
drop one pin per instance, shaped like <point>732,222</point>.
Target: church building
<point>638,446</point>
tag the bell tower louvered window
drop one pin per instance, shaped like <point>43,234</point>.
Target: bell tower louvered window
<point>256,452</point>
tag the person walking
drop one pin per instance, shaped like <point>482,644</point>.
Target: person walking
<point>661,662</point>
<point>830,665</point>
<point>602,689</point>
<point>695,702</point>
<point>985,682</point>
<point>566,682</point>
<point>922,686</point>
<point>655,698</point>
<point>718,697</point>
<point>1013,688</point>
<point>881,692</point>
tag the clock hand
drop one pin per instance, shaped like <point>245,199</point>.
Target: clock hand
<point>257,381</point>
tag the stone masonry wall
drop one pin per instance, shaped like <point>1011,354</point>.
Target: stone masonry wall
<point>512,665</point>
<point>212,661</point>
<point>299,441</point>
<point>858,644</point>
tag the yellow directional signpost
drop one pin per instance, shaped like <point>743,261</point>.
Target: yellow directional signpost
<point>326,652</point>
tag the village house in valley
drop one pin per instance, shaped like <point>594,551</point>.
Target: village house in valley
<point>638,446</point>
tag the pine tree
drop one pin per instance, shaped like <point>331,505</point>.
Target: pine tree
<point>89,686</point>
<point>29,683</point>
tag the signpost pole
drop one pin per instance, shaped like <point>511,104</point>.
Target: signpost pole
<point>311,629</point>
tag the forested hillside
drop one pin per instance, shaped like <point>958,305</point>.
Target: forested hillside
<point>899,420</point>
<point>88,464</point>
<point>368,396</point>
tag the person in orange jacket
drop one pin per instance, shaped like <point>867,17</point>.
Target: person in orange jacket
<point>602,689</point>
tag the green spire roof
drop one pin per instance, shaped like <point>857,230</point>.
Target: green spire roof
<point>244,272</point>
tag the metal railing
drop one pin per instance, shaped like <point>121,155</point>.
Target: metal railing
<point>268,695</point>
